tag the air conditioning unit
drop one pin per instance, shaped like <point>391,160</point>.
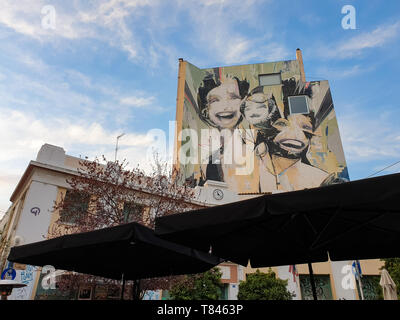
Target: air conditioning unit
<point>17,241</point>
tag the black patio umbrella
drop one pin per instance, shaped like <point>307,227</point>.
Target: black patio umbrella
<point>130,250</point>
<point>352,220</point>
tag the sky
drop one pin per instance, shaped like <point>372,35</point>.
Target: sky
<point>78,73</point>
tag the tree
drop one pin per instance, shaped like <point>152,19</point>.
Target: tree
<point>109,195</point>
<point>106,195</point>
<point>5,246</point>
<point>263,286</point>
<point>202,286</point>
<point>392,265</point>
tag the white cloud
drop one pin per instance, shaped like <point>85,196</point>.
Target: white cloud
<point>375,38</point>
<point>66,92</point>
<point>23,135</point>
<point>218,31</point>
<point>138,102</point>
<point>368,137</point>
<point>241,50</point>
<point>356,45</point>
<point>26,134</point>
<point>41,103</point>
<point>342,73</point>
<point>19,15</point>
<point>104,20</point>
<point>25,17</point>
<point>7,184</point>
<point>139,27</point>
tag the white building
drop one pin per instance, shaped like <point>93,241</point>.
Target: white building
<point>32,212</point>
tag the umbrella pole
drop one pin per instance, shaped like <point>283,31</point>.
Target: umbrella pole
<point>361,288</point>
<point>123,287</point>
<point>312,280</point>
<point>136,290</point>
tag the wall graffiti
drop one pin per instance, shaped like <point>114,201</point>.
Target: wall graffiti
<point>27,277</point>
<point>27,274</point>
<point>292,148</point>
<point>152,295</point>
<point>35,211</point>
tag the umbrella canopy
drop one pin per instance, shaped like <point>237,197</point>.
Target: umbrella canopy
<point>130,249</point>
<point>353,220</point>
<point>388,286</point>
<point>11,283</point>
<point>6,287</point>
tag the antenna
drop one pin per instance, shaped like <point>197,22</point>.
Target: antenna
<point>116,147</point>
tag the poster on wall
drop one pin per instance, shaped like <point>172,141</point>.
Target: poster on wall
<point>28,277</point>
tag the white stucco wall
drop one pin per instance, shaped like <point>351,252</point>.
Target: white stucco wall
<point>293,286</point>
<point>343,291</point>
<point>32,227</point>
<point>233,291</point>
<point>206,194</point>
<point>51,155</point>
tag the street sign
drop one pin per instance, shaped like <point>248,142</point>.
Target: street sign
<point>8,274</point>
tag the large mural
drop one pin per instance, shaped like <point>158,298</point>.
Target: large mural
<point>252,137</point>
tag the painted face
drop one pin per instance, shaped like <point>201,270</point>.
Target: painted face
<point>224,105</point>
<point>256,110</point>
<point>292,136</point>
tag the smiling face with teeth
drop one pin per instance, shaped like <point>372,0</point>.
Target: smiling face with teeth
<point>256,109</point>
<point>224,105</point>
<point>294,134</point>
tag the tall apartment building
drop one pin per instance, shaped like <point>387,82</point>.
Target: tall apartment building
<point>263,128</point>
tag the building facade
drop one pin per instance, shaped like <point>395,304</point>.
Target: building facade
<point>241,131</point>
<point>262,128</point>
<point>32,214</point>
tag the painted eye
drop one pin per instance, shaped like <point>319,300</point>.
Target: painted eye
<point>259,98</point>
<point>234,96</point>
<point>281,123</point>
<point>212,100</point>
<point>308,128</point>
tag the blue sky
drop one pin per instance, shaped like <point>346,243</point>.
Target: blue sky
<point>111,66</point>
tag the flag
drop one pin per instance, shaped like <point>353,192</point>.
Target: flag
<point>293,270</point>
<point>357,269</point>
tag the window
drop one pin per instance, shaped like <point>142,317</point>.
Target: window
<point>100,292</point>
<point>165,295</point>
<point>54,294</point>
<point>85,293</point>
<point>133,211</point>
<point>224,295</point>
<point>76,204</point>
<point>322,286</point>
<point>298,104</point>
<point>270,79</point>
<point>113,292</point>
<point>370,287</point>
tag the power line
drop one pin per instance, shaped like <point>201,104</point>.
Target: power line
<point>384,168</point>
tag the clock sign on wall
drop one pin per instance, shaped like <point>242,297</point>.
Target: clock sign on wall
<point>218,194</point>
